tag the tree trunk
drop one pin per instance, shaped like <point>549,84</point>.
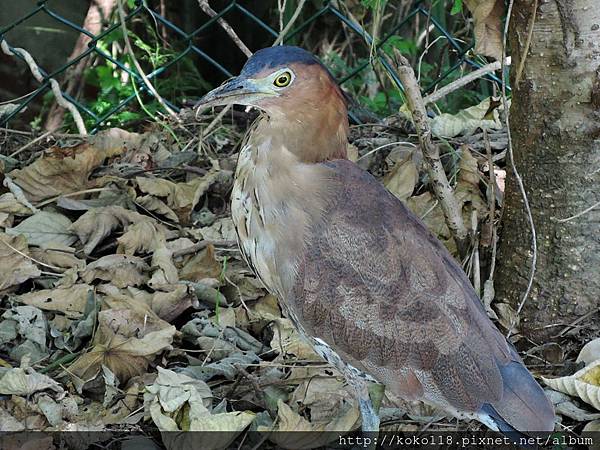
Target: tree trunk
<point>555,125</point>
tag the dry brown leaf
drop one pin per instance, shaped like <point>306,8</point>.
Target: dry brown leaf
<point>15,265</point>
<point>467,186</point>
<point>289,420</point>
<point>180,197</point>
<point>128,337</point>
<point>402,179</point>
<point>507,316</point>
<point>467,120</point>
<point>202,265</point>
<point>167,305</point>
<point>63,171</point>
<point>58,256</point>
<point>9,204</point>
<point>126,314</point>
<point>177,402</point>
<point>141,237</point>
<point>126,357</point>
<point>69,301</point>
<point>584,384</point>
<point>45,229</point>
<point>121,270</point>
<point>427,208</point>
<point>165,273</point>
<point>328,402</point>
<point>222,229</point>
<point>98,223</point>
<point>157,206</point>
<point>19,381</point>
<point>487,15</point>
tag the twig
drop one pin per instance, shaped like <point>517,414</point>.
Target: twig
<point>24,255</point>
<point>289,25</point>
<point>476,266</point>
<point>457,84</point>
<point>137,64</point>
<point>232,34</point>
<point>30,143</point>
<point>37,74</point>
<point>216,120</point>
<point>200,246</point>
<point>517,176</point>
<point>488,286</point>
<point>431,154</point>
<point>579,214</point>
<point>527,44</point>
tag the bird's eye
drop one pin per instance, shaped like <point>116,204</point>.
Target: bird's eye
<point>283,79</point>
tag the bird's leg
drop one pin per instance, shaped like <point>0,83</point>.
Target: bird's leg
<point>370,418</point>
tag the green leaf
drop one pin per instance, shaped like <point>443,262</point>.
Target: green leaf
<point>456,7</point>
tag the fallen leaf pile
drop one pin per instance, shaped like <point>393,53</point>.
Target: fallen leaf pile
<point>126,305</point>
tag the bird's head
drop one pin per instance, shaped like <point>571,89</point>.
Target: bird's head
<point>306,109</point>
<point>279,80</point>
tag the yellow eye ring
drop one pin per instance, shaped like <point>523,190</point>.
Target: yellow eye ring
<point>283,79</point>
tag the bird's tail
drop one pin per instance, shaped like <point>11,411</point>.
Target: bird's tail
<point>524,410</point>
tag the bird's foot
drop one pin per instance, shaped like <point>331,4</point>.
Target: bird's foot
<point>370,423</point>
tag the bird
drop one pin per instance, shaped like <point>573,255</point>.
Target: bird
<point>375,293</point>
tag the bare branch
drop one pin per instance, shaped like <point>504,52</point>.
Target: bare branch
<point>457,84</point>
<point>35,71</point>
<point>431,153</point>
<point>232,34</point>
<point>289,25</point>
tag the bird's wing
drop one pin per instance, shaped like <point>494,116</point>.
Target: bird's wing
<point>386,295</point>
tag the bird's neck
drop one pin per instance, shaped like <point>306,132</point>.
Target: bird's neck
<point>314,132</point>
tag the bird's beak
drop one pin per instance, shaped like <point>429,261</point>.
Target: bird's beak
<point>241,91</point>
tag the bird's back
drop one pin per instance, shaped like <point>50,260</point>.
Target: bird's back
<point>386,295</point>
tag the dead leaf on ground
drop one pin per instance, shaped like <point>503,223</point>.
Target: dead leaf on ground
<point>126,357</point>
<point>402,179</point>
<point>201,265</point>
<point>181,198</point>
<point>157,206</point>
<point>69,301</point>
<point>98,223</point>
<point>141,237</point>
<point>165,273</point>
<point>177,402</point>
<point>290,420</point>
<point>60,256</point>
<point>24,382</point>
<point>167,305</point>
<point>10,205</point>
<point>15,266</point>
<point>63,171</point>
<point>121,270</point>
<point>584,384</point>
<point>44,229</point>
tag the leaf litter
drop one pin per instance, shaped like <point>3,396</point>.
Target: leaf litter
<point>127,306</point>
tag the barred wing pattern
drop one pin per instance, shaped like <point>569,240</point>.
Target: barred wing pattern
<point>377,287</point>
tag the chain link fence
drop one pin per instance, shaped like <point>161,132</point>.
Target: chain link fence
<point>192,49</point>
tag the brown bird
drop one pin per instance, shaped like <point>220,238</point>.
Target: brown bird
<point>361,277</point>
